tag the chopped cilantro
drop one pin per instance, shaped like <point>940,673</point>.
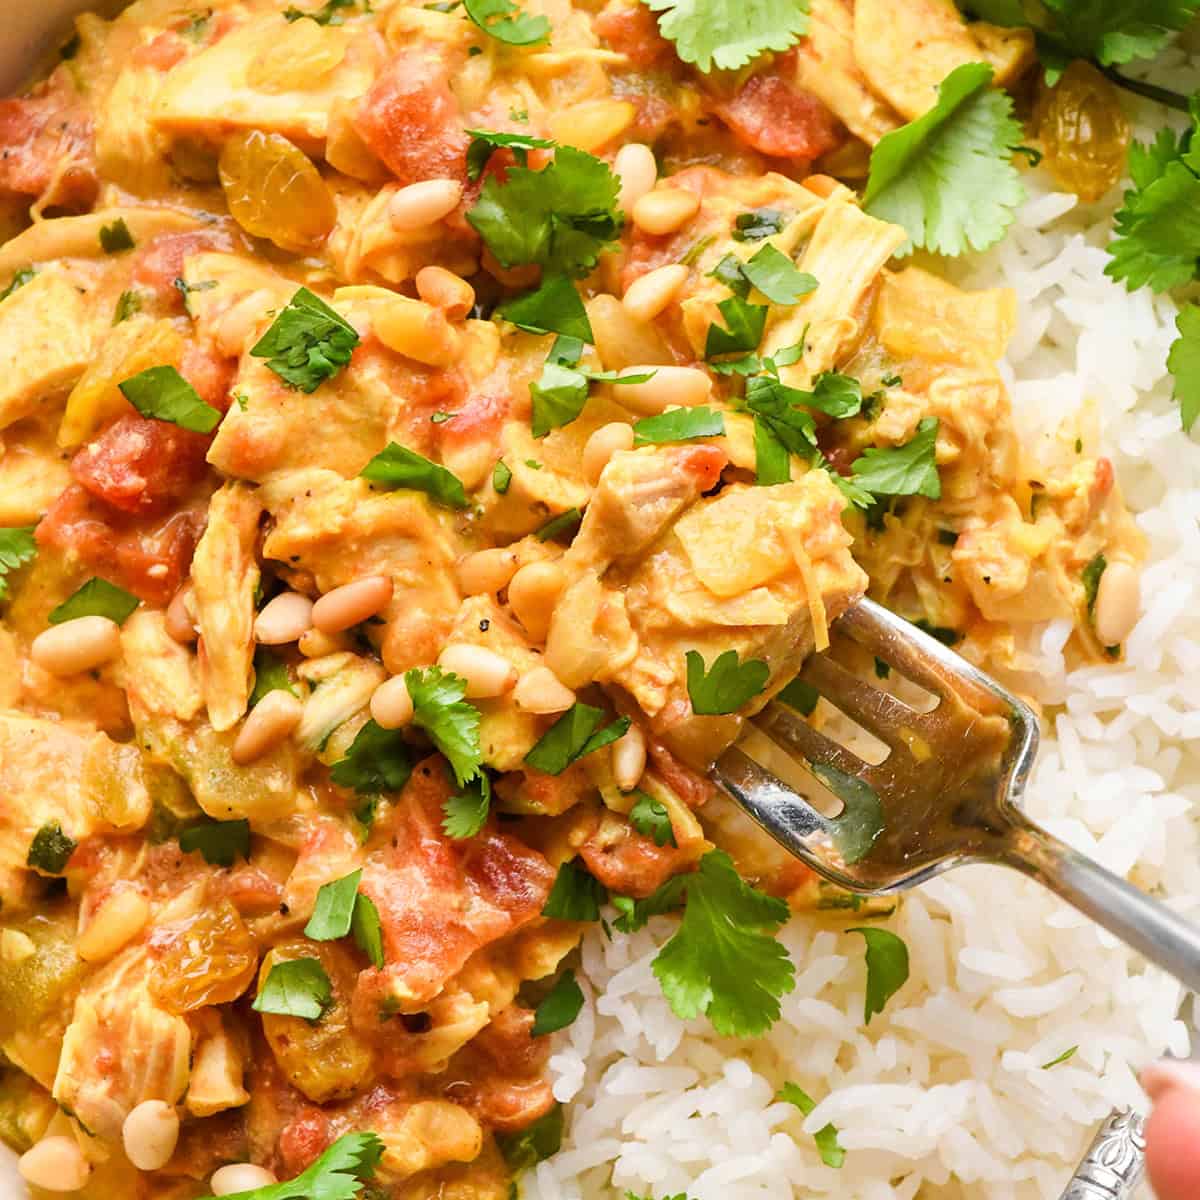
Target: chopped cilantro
<point>781,428</point>
<point>17,549</point>
<point>186,289</point>
<point>1091,580</point>
<point>337,1175</point>
<point>97,598</point>
<point>837,395</point>
<point>376,761</point>
<point>538,1141</point>
<point>799,695</point>
<point>558,397</point>
<point>651,819</point>
<point>777,277</point>
<point>504,21</point>
<point>164,394</point>
<point>562,1005</point>
<point>678,425</point>
<point>887,968</point>
<point>308,342</point>
<point>948,177</point>
<point>1184,364</point>
<point>828,1147</point>
<point>334,908</point>
<point>575,734</point>
<point>501,477</point>
<point>576,894</point>
<point>19,280</point>
<point>219,843</point>
<point>367,929</point>
<point>560,528</point>
<point>466,813</point>
<point>452,723</point>
<point>744,325</point>
<point>396,466</point>
<point>115,237</point>
<point>485,141</point>
<point>296,988</point>
<point>727,34</point>
<point>941,633</point>
<point>553,307</point>
<point>50,850</point>
<point>858,826</point>
<point>270,675</point>
<point>727,685</point>
<point>1065,1056</point>
<point>440,418</point>
<point>129,303</point>
<point>328,14</point>
<point>908,470</point>
<point>759,223</point>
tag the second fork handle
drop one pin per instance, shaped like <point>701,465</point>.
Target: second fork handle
<point>1146,924</point>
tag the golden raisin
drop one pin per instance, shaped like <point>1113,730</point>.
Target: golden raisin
<point>1084,133</point>
<point>207,958</point>
<point>274,191</point>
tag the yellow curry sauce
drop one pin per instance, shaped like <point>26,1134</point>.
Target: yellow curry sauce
<point>190,194</point>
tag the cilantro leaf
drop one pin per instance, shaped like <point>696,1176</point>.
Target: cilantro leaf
<point>727,685</point>
<point>678,425</point>
<point>1183,362</point>
<point>558,397</point>
<point>19,280</point>
<point>452,723</point>
<point>948,177</point>
<point>484,142</point>
<point>744,325</point>
<point>799,695</point>
<point>396,466</point>
<point>296,988</point>
<point>557,528</point>
<point>50,850</point>
<point>858,826</point>
<point>777,277</point>
<point>1158,228</point>
<point>726,34</point>
<point>220,843</point>
<point>1065,1056</point>
<point>1091,580</point>
<point>467,812</point>
<point>759,223</point>
<point>308,342</point>
<point>329,14</point>
<point>17,549</point>
<point>504,21</point>
<point>576,895</point>
<point>334,908</point>
<point>97,598</point>
<point>270,675</point>
<point>553,307</point>
<point>908,470</point>
<point>828,1147</point>
<point>164,394</point>
<point>724,960</point>
<point>560,217</point>
<point>367,929</point>
<point>128,304</point>
<point>536,1142</point>
<point>576,733</point>
<point>887,968</point>
<point>1114,32</point>
<point>651,819</point>
<point>337,1175</point>
<point>376,761</point>
<point>115,237</point>
<point>501,477</point>
<point>636,913</point>
<point>838,395</point>
<point>560,1007</point>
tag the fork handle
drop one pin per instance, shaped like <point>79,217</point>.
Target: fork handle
<point>1146,924</point>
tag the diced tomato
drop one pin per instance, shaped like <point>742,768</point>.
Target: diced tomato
<point>162,53</point>
<point>209,371</point>
<point>159,262</point>
<point>302,1139</point>
<point>626,862</point>
<point>648,251</point>
<point>411,121</point>
<point>775,118</point>
<point>632,30</point>
<point>704,464</point>
<point>147,556</point>
<point>440,900</point>
<point>477,419</point>
<point>140,465</point>
<point>690,786</point>
<point>1105,478</point>
<point>39,135</point>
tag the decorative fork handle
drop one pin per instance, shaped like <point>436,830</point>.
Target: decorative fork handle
<point>1146,924</point>
<point>1113,1166</point>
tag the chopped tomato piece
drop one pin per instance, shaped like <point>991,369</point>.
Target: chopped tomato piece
<point>411,121</point>
<point>140,465</point>
<point>690,786</point>
<point>303,1139</point>
<point>775,118</point>
<point>159,263</point>
<point>147,556</point>
<point>632,30</point>
<point>162,53</point>
<point>626,862</point>
<point>209,372</point>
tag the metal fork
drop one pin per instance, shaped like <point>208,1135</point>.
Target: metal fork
<point>950,789</point>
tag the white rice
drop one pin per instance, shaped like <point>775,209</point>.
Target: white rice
<point>944,1094</point>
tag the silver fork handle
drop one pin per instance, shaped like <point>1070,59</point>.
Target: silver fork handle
<point>1114,1163</point>
<point>1146,924</point>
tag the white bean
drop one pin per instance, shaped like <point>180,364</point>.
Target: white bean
<point>487,571</point>
<point>55,1164</point>
<point>1118,600</point>
<point>445,290</point>
<point>665,210</point>
<point>150,1134</point>
<point>424,203</point>
<point>487,673</point>
<point>636,168</point>
<point>269,723</point>
<point>533,592</point>
<point>240,1177</point>
<point>541,691</point>
<point>667,386</point>
<point>602,445</point>
<point>284,618</point>
<point>76,645</point>
<point>117,921</point>
<point>650,294</point>
<point>351,603</point>
<point>391,705</point>
<point>629,758</point>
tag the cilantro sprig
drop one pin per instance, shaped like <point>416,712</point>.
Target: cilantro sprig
<point>451,723</point>
<point>725,686</point>
<point>339,1173</point>
<point>340,909</point>
<point>376,761</point>
<point>908,470</point>
<point>96,598</point>
<point>504,21</point>
<point>466,812</point>
<point>726,34</point>
<point>296,988</point>
<point>561,392</point>
<point>50,850</point>
<point>1183,363</point>
<point>563,1003</point>
<point>307,343</point>
<point>576,895</point>
<point>17,549</point>
<point>651,819</point>
<point>219,843</point>
<point>678,425</point>
<point>397,466</point>
<point>575,734</point>
<point>887,968</point>
<point>554,306</point>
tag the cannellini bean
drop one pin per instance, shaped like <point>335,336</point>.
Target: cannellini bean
<point>541,691</point>
<point>424,203</point>
<point>533,592</point>
<point>629,758</point>
<point>240,1177</point>
<point>117,921</point>
<point>636,168</point>
<point>315,644</point>
<point>284,618</point>
<point>391,705</point>
<point>55,1164</point>
<point>417,330</point>
<point>487,673</point>
<point>179,621</point>
<point>667,386</point>
<point>1118,600</point>
<point>649,295</point>
<point>269,722</point>
<point>486,571</point>
<point>76,645</point>
<point>150,1134</point>
<point>602,445</point>
<point>352,603</point>
<point>445,290</point>
<point>665,209</point>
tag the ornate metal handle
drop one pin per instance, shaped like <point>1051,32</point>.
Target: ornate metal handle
<point>1113,1166</point>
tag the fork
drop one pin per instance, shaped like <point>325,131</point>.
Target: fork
<point>949,789</point>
